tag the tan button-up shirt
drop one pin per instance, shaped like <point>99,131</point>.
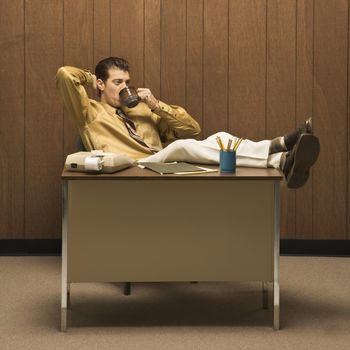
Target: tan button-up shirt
<point>100,127</point>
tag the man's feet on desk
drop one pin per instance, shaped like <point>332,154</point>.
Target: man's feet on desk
<point>296,164</point>
<point>292,138</point>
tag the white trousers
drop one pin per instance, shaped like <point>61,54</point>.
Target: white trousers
<point>249,153</point>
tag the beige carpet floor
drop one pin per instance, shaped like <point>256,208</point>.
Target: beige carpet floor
<point>315,310</point>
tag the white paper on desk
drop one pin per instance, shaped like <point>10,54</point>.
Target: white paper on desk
<point>204,171</point>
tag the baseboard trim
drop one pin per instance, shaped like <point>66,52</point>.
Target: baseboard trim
<point>15,247</point>
<point>12,247</point>
<point>315,247</point>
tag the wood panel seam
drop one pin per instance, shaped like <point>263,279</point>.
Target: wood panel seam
<point>228,69</point>
<point>313,101</point>
<point>347,128</point>
<point>266,62</point>
<point>24,114</point>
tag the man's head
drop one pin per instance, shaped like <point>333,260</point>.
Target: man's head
<point>112,75</point>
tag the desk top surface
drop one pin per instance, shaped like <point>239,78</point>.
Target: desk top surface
<point>136,173</point>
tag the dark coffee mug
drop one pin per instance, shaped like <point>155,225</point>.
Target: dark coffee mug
<point>129,96</point>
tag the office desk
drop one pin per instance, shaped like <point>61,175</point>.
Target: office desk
<point>138,226</point>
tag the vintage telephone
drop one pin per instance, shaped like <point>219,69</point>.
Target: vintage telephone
<point>97,161</point>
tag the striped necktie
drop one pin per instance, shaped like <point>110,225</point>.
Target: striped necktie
<point>130,125</point>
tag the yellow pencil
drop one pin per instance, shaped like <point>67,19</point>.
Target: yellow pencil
<point>238,143</point>
<point>229,145</point>
<point>218,140</point>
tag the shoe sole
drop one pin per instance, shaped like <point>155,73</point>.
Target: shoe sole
<point>306,154</point>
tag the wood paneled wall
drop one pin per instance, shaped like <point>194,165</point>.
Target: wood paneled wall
<point>254,68</point>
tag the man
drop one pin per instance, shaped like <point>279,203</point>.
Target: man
<point>140,131</point>
<point>99,125</point>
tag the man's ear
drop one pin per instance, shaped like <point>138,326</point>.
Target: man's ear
<point>100,84</point>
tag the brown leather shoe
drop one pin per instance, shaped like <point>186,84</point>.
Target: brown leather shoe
<point>291,138</point>
<point>299,161</point>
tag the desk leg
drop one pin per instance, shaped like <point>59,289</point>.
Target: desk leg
<point>265,295</point>
<point>64,284</point>
<point>63,320</point>
<point>276,286</point>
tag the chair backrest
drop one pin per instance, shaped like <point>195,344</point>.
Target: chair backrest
<point>79,145</point>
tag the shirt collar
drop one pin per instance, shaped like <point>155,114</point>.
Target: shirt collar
<point>109,108</point>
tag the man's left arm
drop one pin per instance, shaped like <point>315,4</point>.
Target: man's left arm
<point>174,122</point>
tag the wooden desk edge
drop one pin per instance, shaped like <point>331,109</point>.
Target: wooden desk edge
<point>136,173</point>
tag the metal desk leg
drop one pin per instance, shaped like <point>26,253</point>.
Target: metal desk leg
<point>276,286</point>
<point>63,320</point>
<point>64,285</point>
<point>265,295</point>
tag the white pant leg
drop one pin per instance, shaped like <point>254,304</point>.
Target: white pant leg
<point>274,160</point>
<point>188,150</point>
<point>249,153</point>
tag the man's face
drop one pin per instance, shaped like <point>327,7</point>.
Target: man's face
<point>116,81</point>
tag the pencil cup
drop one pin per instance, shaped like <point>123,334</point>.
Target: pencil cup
<point>227,162</point>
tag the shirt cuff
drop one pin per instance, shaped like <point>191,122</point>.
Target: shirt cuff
<point>162,107</point>
<point>88,76</point>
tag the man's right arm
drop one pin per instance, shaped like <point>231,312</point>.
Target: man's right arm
<point>70,82</point>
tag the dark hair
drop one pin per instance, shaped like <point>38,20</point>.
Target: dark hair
<point>102,67</point>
